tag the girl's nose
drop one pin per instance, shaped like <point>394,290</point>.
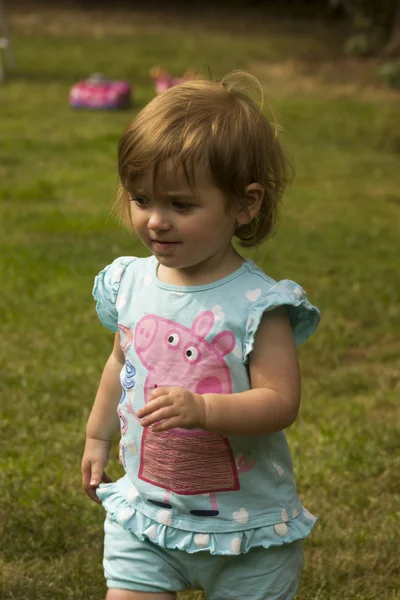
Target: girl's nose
<point>158,221</point>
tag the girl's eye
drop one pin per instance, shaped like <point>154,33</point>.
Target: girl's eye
<point>142,202</point>
<point>182,206</point>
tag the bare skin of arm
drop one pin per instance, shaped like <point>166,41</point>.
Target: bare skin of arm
<point>271,405</point>
<point>103,423</point>
<point>274,400</point>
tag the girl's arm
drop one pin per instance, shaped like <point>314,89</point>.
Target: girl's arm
<point>273,402</point>
<point>103,423</point>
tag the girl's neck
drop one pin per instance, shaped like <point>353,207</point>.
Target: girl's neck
<point>214,268</point>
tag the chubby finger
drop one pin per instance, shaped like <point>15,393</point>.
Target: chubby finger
<point>91,486</point>
<point>157,392</point>
<point>154,405</point>
<point>105,478</point>
<point>159,415</point>
<point>86,471</point>
<point>167,424</point>
<point>91,492</point>
<point>97,473</point>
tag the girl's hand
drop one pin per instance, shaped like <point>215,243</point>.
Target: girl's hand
<point>173,407</point>
<point>95,458</point>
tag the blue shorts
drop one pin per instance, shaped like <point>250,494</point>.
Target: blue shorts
<point>143,566</point>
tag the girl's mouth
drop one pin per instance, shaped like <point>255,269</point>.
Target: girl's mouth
<point>161,245</point>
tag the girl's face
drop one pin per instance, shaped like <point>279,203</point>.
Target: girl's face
<point>186,230</point>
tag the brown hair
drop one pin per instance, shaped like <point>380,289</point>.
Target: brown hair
<point>216,124</point>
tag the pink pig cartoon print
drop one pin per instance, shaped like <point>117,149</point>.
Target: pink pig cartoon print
<point>181,461</point>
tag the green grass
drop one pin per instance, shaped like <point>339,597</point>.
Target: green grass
<point>338,237</point>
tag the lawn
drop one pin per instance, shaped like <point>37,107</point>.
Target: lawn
<point>338,237</point>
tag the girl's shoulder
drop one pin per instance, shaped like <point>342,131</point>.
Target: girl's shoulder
<point>123,267</point>
<point>255,273</point>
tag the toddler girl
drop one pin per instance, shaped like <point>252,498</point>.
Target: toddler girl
<point>203,377</point>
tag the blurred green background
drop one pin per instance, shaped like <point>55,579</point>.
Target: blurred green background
<point>338,237</point>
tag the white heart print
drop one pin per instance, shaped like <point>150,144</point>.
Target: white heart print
<point>285,516</point>
<point>147,279</point>
<point>201,539</point>
<point>131,447</point>
<point>281,529</point>
<point>241,516</point>
<point>132,494</point>
<point>152,531</point>
<point>237,351</point>
<point>126,513</point>
<point>253,295</point>
<point>218,312</point>
<point>235,545</point>
<point>164,517</point>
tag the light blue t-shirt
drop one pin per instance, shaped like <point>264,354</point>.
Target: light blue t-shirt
<point>192,489</point>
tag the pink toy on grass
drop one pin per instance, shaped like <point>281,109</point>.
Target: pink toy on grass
<point>164,80</point>
<point>100,93</point>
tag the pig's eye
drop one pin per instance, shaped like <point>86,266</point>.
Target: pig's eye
<point>191,353</point>
<point>173,339</point>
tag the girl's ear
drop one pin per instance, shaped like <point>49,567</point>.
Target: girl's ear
<point>254,195</point>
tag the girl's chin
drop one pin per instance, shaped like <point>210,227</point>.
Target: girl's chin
<point>173,262</point>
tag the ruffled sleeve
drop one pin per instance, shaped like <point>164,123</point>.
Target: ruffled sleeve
<point>303,316</point>
<point>106,288</point>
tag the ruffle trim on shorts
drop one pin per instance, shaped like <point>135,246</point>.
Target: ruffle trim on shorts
<point>227,543</point>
